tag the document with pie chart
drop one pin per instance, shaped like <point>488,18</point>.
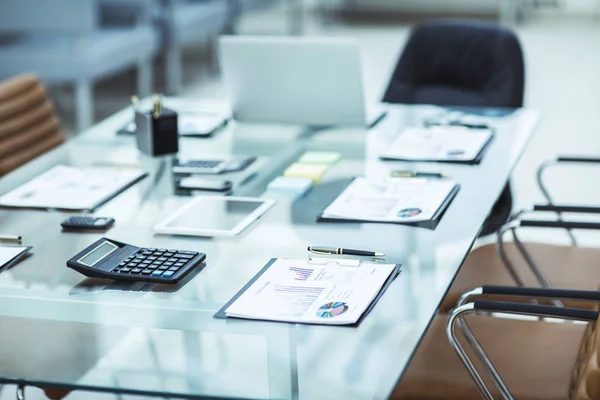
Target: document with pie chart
<point>397,200</point>
<point>323,291</point>
<point>439,143</point>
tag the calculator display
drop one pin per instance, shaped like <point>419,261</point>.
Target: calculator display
<point>98,253</point>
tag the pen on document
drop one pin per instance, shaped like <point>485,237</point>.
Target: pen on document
<point>340,251</point>
<point>469,125</point>
<point>12,238</point>
<point>465,125</point>
<point>415,174</point>
<point>132,164</point>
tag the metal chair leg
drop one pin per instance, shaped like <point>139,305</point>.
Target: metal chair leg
<point>462,354</point>
<point>489,367</point>
<point>20,392</point>
<point>144,78</point>
<point>174,66</point>
<point>84,105</point>
<point>295,17</point>
<point>502,253</point>
<point>537,271</point>
<point>546,193</point>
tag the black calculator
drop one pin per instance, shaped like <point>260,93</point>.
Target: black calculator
<point>87,222</point>
<point>107,258</point>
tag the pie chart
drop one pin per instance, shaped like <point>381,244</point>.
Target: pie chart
<point>409,212</point>
<point>332,309</point>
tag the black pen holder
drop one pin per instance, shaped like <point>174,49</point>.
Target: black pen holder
<point>156,135</point>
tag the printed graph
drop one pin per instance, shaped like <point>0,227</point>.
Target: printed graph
<point>302,274</point>
<point>296,299</point>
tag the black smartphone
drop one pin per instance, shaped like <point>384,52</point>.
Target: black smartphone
<point>194,183</point>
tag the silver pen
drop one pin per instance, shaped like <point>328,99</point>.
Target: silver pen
<point>10,238</point>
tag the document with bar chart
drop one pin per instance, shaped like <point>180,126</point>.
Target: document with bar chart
<point>324,291</point>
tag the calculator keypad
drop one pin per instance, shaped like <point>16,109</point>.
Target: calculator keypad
<point>203,164</point>
<point>158,263</point>
<point>81,220</point>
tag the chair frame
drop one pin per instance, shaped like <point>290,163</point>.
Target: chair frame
<point>456,319</point>
<point>518,221</point>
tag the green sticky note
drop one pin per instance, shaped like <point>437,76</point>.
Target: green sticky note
<point>319,157</point>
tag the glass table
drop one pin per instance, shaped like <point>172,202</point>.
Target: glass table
<point>61,329</point>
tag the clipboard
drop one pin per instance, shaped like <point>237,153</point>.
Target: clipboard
<point>429,224</point>
<point>222,315</point>
<point>17,259</point>
<point>475,161</point>
<point>21,196</point>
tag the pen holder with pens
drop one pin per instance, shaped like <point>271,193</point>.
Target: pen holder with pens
<point>157,131</point>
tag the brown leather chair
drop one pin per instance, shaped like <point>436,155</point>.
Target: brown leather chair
<point>28,125</point>
<point>567,267</point>
<point>536,359</point>
<point>564,266</point>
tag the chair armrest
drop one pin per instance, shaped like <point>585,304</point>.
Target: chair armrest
<point>529,292</point>
<point>590,160</point>
<point>592,295</point>
<point>566,208</point>
<point>558,224</point>
<point>535,310</point>
<point>578,159</point>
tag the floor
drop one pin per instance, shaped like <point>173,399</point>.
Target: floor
<point>563,83</point>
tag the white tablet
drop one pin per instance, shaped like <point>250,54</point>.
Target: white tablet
<point>214,216</point>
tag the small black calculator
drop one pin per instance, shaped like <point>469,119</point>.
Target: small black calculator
<point>87,222</point>
<point>107,258</point>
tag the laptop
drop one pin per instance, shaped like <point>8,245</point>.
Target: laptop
<point>296,80</point>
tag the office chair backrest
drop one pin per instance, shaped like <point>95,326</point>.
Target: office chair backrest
<point>42,16</point>
<point>459,63</point>
<point>28,126</point>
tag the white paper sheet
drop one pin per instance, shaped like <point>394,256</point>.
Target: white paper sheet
<point>304,292</point>
<point>397,200</point>
<point>440,143</point>
<point>71,188</point>
<point>9,253</point>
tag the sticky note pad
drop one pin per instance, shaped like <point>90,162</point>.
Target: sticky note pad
<point>300,170</point>
<point>319,157</point>
<point>297,186</point>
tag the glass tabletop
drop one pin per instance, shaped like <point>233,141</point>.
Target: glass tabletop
<point>63,329</point>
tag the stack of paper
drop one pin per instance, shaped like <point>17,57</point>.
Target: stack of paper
<point>299,291</point>
<point>72,188</point>
<point>397,200</point>
<point>439,143</point>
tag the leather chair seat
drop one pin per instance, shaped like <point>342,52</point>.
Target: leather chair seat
<point>566,267</point>
<point>535,359</point>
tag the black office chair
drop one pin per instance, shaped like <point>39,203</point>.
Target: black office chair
<point>465,64</point>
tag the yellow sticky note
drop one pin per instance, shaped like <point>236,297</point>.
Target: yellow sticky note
<point>312,171</point>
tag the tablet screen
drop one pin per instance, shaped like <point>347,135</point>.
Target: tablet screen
<point>217,214</point>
